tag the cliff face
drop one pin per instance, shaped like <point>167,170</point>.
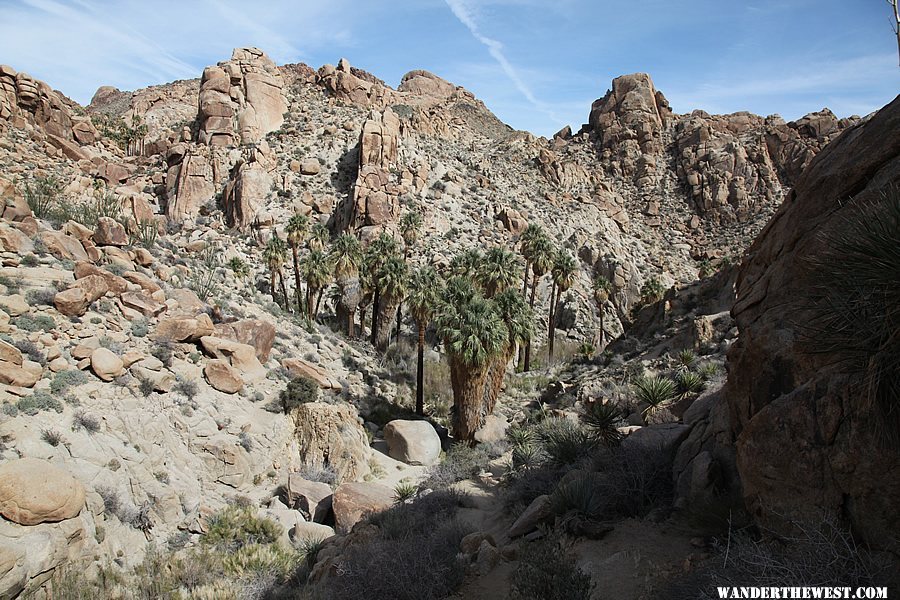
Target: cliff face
<point>729,166</point>
<point>806,442</point>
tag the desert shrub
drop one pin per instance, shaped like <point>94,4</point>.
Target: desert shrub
<point>111,345</point>
<point>414,567</point>
<point>245,441</point>
<point>12,284</point>
<point>38,401</point>
<point>816,552</point>
<point>52,437</point>
<point>31,350</point>
<point>39,323</point>
<point>186,387</point>
<point>652,291</point>
<point>233,528</point>
<point>146,387</point>
<point>139,328</point>
<point>164,353</point>
<point>527,456</point>
<point>547,571</point>
<point>9,409</point>
<point>238,267</point>
<point>86,421</point>
<point>634,480</point>
<point>709,370</point>
<point>523,486</point>
<point>42,194</point>
<point>853,304</point>
<point>63,380</point>
<point>29,260</point>
<point>147,233</point>
<point>320,473</point>
<point>42,297</point>
<point>565,441</point>
<point>299,390</point>
<point>460,462</point>
<point>686,358</point>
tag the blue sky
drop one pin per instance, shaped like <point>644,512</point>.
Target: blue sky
<point>538,64</point>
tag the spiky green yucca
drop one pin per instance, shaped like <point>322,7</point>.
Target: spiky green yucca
<point>602,421</point>
<point>855,303</point>
<point>655,390</point>
<point>690,383</point>
<point>424,291</point>
<point>404,491</point>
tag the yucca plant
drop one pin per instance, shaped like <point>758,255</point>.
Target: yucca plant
<point>520,436</point>
<point>708,370</point>
<point>565,441</point>
<point>405,491</point>
<point>686,358</point>
<point>602,420</point>
<point>855,303</point>
<point>583,493</point>
<point>527,456</point>
<point>656,391</point>
<point>690,383</point>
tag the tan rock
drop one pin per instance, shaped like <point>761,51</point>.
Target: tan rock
<point>110,232</point>
<point>303,368</point>
<point>184,329</point>
<point>256,332</point>
<point>413,442</point>
<point>58,364</point>
<point>72,302</point>
<point>143,257</point>
<point>310,166</point>
<point>330,434</point>
<point>33,491</point>
<point>354,501</point>
<point>114,283</point>
<point>146,283</point>
<point>312,498</point>
<point>142,303</point>
<point>94,287</point>
<point>10,353</point>
<point>223,377</point>
<point>25,375</point>
<point>241,356</point>
<point>62,246</point>
<point>13,240</point>
<point>106,364</point>
<point>14,305</point>
<point>163,381</point>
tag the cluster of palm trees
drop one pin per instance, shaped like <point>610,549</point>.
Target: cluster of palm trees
<point>474,304</point>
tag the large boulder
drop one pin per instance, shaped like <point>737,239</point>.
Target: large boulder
<point>110,232</point>
<point>24,375</point>
<point>413,442</point>
<point>256,332</point>
<point>240,356</point>
<point>806,443</point>
<point>312,498</point>
<point>223,377</point>
<point>33,491</point>
<point>330,435</point>
<point>106,364</point>
<point>354,501</point>
<point>184,328</point>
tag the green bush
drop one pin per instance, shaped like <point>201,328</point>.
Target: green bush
<point>652,291</point>
<point>655,390</point>
<point>602,420</point>
<point>299,390</point>
<point>42,194</point>
<point>63,380</point>
<point>39,323</point>
<point>460,462</point>
<point>234,528</point>
<point>565,441</point>
<point>38,401</point>
<point>690,383</point>
<point>547,571</point>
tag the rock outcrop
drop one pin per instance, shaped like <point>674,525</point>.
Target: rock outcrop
<point>241,99</point>
<point>805,446</point>
<point>33,491</point>
<point>330,436</point>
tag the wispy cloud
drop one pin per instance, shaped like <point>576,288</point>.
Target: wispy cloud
<point>463,13</point>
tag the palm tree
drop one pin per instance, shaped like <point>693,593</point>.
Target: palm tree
<point>602,290</point>
<point>466,263</point>
<point>563,273</point>
<point>473,334</point>
<point>541,253</point>
<point>274,255</point>
<point>391,284</point>
<point>497,271</point>
<point>296,230</point>
<point>377,253</point>
<point>424,289</point>
<point>346,256</point>
<point>318,237</point>
<point>410,224</point>
<point>317,272</point>
<point>519,320</point>
<point>526,241</point>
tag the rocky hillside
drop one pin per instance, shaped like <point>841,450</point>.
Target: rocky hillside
<point>155,383</point>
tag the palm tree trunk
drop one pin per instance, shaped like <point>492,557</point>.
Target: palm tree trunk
<point>525,283</point>
<point>600,345</point>
<point>495,378</point>
<point>273,287</point>
<point>287,303</point>
<point>468,397</point>
<point>319,301</point>
<point>552,323</point>
<point>399,318</point>
<point>375,302</point>
<point>309,302</point>
<point>351,314</point>
<point>296,276</point>
<point>527,366</point>
<point>385,313</point>
<point>420,372</point>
